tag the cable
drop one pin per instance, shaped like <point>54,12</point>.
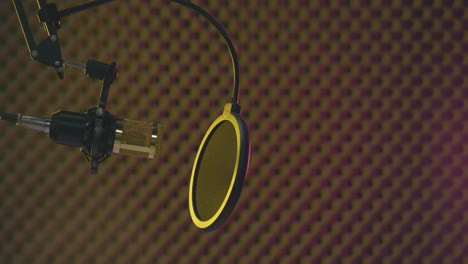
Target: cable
<point>9,117</point>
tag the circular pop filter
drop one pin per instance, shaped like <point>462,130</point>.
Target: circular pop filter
<point>219,170</point>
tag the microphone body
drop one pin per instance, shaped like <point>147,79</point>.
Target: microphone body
<point>117,136</point>
<point>70,128</point>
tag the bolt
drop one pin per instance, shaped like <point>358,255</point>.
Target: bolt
<point>53,38</point>
<point>35,53</point>
<point>57,63</point>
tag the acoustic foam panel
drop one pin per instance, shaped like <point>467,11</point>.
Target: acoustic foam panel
<point>357,113</point>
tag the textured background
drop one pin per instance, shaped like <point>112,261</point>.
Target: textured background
<point>357,112</point>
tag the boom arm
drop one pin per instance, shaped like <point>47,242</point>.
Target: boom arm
<point>48,51</point>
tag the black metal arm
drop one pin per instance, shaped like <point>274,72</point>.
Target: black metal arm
<point>48,51</point>
<point>72,10</point>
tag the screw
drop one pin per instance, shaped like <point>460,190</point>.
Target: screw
<point>34,53</point>
<point>53,38</point>
<point>57,63</point>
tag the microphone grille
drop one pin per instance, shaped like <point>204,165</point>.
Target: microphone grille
<point>137,138</point>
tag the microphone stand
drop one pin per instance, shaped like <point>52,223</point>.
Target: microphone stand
<point>96,144</point>
<point>48,52</point>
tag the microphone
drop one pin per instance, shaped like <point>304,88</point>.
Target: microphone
<point>118,136</point>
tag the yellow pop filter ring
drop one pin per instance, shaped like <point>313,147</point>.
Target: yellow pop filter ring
<point>233,186</point>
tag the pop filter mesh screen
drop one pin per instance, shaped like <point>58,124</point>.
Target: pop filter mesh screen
<point>357,115</point>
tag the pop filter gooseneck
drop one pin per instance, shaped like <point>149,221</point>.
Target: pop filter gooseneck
<point>222,159</point>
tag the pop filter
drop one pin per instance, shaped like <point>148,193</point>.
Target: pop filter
<point>219,170</point>
<point>223,156</point>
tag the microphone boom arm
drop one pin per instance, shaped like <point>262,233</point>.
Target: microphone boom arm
<point>48,51</point>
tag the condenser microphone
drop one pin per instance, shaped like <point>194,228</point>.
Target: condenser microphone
<point>118,136</point>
